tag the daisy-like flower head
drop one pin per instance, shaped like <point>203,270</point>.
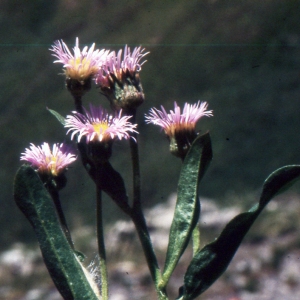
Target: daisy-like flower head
<point>49,161</point>
<point>119,78</point>
<point>83,64</point>
<point>131,62</point>
<point>98,126</point>
<point>179,126</point>
<point>175,121</point>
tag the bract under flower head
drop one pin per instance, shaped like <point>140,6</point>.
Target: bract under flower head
<point>175,121</point>
<point>81,65</point>
<point>98,125</point>
<point>47,161</point>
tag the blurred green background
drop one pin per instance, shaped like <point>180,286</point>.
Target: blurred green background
<point>243,57</point>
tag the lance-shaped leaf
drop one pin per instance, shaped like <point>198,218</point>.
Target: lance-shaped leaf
<point>57,115</point>
<point>112,183</point>
<point>70,278</point>
<point>210,262</point>
<point>187,208</point>
<point>106,178</point>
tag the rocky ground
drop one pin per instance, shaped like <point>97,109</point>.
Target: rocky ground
<point>266,266</point>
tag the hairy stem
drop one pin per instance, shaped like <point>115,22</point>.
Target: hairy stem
<point>101,247</point>
<point>196,239</point>
<point>55,196</point>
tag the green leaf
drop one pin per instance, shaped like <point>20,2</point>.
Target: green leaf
<point>57,115</point>
<point>210,262</point>
<point>112,183</point>
<point>62,263</point>
<point>187,208</point>
<point>106,178</point>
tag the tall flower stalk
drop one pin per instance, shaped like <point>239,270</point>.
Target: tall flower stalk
<point>98,129</point>
<point>138,219</point>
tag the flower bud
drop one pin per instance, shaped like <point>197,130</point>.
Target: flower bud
<point>119,80</point>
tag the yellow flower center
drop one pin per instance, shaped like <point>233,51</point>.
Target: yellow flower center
<point>52,166</point>
<point>100,128</point>
<point>80,68</point>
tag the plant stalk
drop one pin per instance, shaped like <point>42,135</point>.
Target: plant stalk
<point>78,104</point>
<point>101,247</point>
<point>196,240</point>
<point>138,219</point>
<point>55,196</point>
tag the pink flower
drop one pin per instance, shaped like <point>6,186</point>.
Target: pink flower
<point>98,125</point>
<point>115,65</point>
<point>179,126</point>
<point>177,122</point>
<point>81,65</point>
<point>49,161</point>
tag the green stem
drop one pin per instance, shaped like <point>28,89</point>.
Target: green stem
<point>196,240</point>
<point>77,90</point>
<point>78,104</point>
<point>142,230</point>
<point>61,216</point>
<point>101,247</point>
<point>136,170</point>
<point>138,219</point>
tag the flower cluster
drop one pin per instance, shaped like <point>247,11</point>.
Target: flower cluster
<point>117,78</point>
<point>47,161</point>
<point>87,63</point>
<point>116,74</point>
